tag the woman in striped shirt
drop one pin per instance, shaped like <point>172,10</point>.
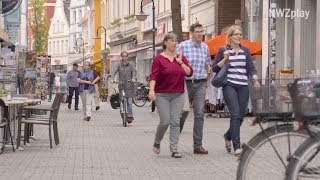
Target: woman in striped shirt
<point>236,91</point>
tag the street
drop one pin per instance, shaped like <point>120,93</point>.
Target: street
<point>103,149</point>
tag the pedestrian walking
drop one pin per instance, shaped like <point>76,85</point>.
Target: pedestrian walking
<point>236,91</point>
<point>87,79</point>
<point>57,84</point>
<point>198,56</point>
<point>153,104</point>
<point>51,82</point>
<point>166,89</point>
<point>96,95</point>
<point>63,84</point>
<point>127,75</point>
<point>73,86</point>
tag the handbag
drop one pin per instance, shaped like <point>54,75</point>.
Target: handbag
<point>220,79</point>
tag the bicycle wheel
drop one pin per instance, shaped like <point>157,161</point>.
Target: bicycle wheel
<point>305,163</point>
<point>124,113</point>
<point>260,161</point>
<point>139,98</point>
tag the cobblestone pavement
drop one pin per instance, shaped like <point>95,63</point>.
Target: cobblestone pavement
<point>103,149</point>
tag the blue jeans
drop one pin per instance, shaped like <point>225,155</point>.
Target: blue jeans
<point>197,95</point>
<point>129,107</point>
<point>236,97</point>
<point>50,91</point>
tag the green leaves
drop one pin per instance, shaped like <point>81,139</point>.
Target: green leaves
<point>39,26</point>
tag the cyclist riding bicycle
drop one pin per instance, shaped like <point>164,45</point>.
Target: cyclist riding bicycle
<point>127,73</point>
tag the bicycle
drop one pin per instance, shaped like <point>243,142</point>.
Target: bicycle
<point>123,103</point>
<point>268,153</point>
<point>140,95</point>
<point>305,162</point>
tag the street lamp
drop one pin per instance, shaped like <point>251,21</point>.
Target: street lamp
<point>104,78</point>
<point>76,45</point>
<point>142,17</point>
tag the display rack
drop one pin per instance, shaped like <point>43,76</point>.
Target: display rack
<point>8,80</point>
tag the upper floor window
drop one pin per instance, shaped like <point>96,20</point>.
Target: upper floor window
<point>80,15</point>
<point>74,16</point>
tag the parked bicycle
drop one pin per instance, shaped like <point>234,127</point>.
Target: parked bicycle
<point>140,95</point>
<point>267,154</point>
<point>305,162</point>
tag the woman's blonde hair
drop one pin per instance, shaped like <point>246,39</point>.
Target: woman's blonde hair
<point>231,31</point>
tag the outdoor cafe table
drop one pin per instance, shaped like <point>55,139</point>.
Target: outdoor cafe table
<point>13,107</point>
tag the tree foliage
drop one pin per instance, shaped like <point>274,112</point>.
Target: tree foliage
<point>176,18</point>
<point>39,26</point>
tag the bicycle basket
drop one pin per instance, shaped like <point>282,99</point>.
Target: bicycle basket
<point>305,95</point>
<point>115,101</point>
<point>271,98</point>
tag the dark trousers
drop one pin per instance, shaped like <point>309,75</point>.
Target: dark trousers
<point>236,97</point>
<point>50,91</point>
<point>76,96</point>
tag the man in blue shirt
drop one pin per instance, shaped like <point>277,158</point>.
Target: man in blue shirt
<point>198,56</point>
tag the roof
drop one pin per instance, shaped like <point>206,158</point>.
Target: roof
<point>66,4</point>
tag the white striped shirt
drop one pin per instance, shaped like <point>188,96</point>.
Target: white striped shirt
<point>237,72</point>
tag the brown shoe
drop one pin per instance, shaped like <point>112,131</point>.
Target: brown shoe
<point>200,150</point>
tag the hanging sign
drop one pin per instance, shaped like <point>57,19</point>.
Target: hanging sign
<point>9,6</point>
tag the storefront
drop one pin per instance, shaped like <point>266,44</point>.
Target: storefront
<point>291,34</point>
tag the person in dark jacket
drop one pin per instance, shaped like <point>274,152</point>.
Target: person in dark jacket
<point>127,75</point>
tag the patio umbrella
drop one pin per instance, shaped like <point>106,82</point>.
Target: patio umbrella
<point>215,43</point>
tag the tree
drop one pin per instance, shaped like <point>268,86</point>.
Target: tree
<point>39,26</point>
<point>176,18</point>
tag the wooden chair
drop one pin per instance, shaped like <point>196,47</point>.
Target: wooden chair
<point>49,120</point>
<point>5,125</point>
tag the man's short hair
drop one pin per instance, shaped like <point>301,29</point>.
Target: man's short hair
<point>195,25</point>
<point>75,64</point>
<point>124,52</point>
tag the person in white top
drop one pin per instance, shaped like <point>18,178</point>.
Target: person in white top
<point>57,83</point>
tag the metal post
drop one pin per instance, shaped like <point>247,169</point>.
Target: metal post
<point>153,30</point>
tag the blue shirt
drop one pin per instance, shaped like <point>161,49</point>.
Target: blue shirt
<point>198,57</point>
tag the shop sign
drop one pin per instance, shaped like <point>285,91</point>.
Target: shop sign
<point>9,6</point>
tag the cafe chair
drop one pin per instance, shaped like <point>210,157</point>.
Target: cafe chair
<point>31,119</point>
<point>5,125</point>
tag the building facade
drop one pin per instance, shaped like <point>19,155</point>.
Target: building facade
<point>290,42</point>
<point>77,11</point>
<point>58,41</point>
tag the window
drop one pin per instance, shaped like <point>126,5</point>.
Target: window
<point>66,46</point>
<point>53,27</point>
<point>116,9</point>
<point>161,6</point>
<point>80,35</point>
<point>62,27</point>
<point>147,24</point>
<point>74,16</point>
<point>131,7</point>
<point>58,26</point>
<point>168,5</point>
<point>49,48</point>
<point>61,47</point>
<point>80,15</point>
<point>75,40</point>
<point>53,47</point>
<point>57,47</point>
